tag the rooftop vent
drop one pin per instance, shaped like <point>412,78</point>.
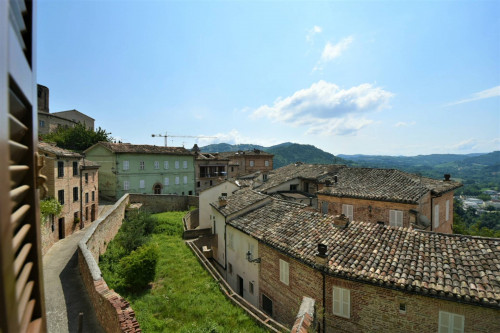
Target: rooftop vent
<point>222,201</point>
<point>447,177</point>
<point>321,258</point>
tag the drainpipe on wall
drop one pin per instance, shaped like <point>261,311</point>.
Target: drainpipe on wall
<point>324,301</point>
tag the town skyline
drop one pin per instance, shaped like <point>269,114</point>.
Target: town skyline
<point>363,78</point>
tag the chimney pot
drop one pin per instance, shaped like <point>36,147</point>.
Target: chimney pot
<point>321,258</point>
<point>447,177</point>
<point>222,201</point>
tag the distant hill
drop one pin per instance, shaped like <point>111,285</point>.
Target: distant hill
<point>284,153</point>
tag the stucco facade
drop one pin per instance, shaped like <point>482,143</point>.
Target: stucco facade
<point>211,195</point>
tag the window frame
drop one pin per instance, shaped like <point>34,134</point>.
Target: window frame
<point>126,165</point>
<point>75,168</point>
<point>60,196</point>
<point>184,164</point>
<point>185,180</point>
<point>142,165</point>
<point>157,165</point>
<point>75,193</point>
<point>284,272</point>
<point>177,180</point>
<point>393,218</point>
<point>126,185</point>
<point>142,183</point>
<point>252,163</point>
<point>442,328</point>
<point>345,211</point>
<point>166,181</point>
<point>341,309</point>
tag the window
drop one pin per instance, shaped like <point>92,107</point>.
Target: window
<point>86,178</point>
<point>447,210</point>
<point>198,184</point>
<point>250,287</point>
<point>210,183</point>
<point>165,165</point>
<point>347,210</point>
<point>126,185</point>
<point>60,196</point>
<point>177,164</point>
<point>294,187</point>
<point>190,192</point>
<point>185,179</point>
<point>342,302</point>
<point>230,240</point>
<point>93,195</point>
<point>176,180</point>
<point>402,308</point>
<point>141,165</point>
<point>166,181</point>
<point>232,169</point>
<point>185,164</point>
<point>266,163</point>
<point>324,207</point>
<point>75,193</point>
<point>264,177</point>
<point>142,183</point>
<point>436,216</point>
<point>60,169</point>
<point>75,168</point>
<point>125,165</point>
<point>42,123</point>
<point>450,322</point>
<point>396,218</point>
<point>284,272</point>
<point>252,163</point>
<point>230,268</point>
<point>157,165</point>
<point>87,197</point>
<point>267,305</point>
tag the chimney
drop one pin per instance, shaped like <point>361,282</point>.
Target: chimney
<point>341,221</point>
<point>222,201</point>
<point>447,177</point>
<point>321,257</point>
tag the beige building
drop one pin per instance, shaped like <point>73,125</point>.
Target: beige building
<point>73,181</point>
<point>242,163</point>
<point>210,169</point>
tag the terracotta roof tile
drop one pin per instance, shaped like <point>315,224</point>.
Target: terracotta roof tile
<point>239,200</point>
<point>143,149</point>
<point>53,149</point>
<point>455,267</point>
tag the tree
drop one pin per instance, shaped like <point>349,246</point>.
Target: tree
<point>77,138</point>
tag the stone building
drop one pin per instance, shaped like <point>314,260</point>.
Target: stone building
<point>145,169</point>
<point>72,181</point>
<point>246,162</point>
<point>50,122</point>
<point>210,169</point>
<point>364,277</point>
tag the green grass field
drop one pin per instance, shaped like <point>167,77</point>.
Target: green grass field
<point>183,297</point>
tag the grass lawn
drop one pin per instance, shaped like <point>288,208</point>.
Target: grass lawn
<point>184,297</point>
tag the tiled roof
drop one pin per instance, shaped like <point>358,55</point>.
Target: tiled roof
<point>385,184</point>
<point>142,149</point>
<point>298,170</point>
<point>239,200</point>
<point>253,152</point>
<point>210,157</point>
<point>453,267</point>
<point>53,149</point>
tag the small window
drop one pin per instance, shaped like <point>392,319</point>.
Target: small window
<point>198,184</point>
<point>252,163</point>
<point>165,165</point>
<point>347,210</point>
<point>93,195</point>
<point>166,181</point>
<point>86,178</point>
<point>266,163</point>
<point>177,164</point>
<point>210,183</point>
<point>75,193</point>
<point>402,308</point>
<point>157,164</point>
<point>60,196</point>
<point>75,168</point>
<point>142,183</point>
<point>264,177</point>
<point>230,268</point>
<point>190,192</point>
<point>267,305</point>
<point>342,302</point>
<point>185,164</point>
<point>450,322</point>
<point>60,169</point>
<point>141,165</point>
<point>87,197</point>
<point>284,272</point>
<point>232,169</point>
<point>125,165</point>
<point>447,210</point>
<point>294,187</point>
<point>250,287</point>
<point>396,218</point>
<point>176,180</point>
<point>436,216</point>
<point>185,179</point>
<point>42,123</point>
<point>126,185</point>
<point>324,207</point>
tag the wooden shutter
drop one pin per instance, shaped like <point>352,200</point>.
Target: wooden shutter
<point>342,302</point>
<point>21,282</point>
<point>284,272</point>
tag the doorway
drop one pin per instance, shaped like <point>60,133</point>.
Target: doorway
<point>240,285</point>
<point>157,188</point>
<point>61,228</point>
<point>92,213</point>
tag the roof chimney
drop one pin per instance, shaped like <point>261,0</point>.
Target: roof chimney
<point>341,221</point>
<point>447,177</point>
<point>321,257</point>
<point>222,201</point>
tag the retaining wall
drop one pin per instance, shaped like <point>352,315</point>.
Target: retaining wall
<point>158,203</point>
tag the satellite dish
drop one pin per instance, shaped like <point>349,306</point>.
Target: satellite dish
<point>423,220</point>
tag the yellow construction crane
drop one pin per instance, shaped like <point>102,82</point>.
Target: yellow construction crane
<point>166,136</point>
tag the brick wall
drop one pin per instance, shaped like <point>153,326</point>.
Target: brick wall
<point>444,226</point>
<point>372,308</point>
<point>113,311</point>
<point>156,203</point>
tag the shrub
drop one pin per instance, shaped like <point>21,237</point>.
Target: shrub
<point>135,230</point>
<point>139,267</point>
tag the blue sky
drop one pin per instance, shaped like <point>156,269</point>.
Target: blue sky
<point>392,78</point>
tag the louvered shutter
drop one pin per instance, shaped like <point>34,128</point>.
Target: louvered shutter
<point>21,283</point>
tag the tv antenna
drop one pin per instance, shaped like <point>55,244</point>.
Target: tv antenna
<point>166,136</point>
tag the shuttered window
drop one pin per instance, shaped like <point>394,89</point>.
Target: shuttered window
<point>396,218</point>
<point>342,302</point>
<point>126,165</point>
<point>450,322</point>
<point>347,210</point>
<point>447,210</point>
<point>157,164</point>
<point>284,272</point>
<point>436,216</point>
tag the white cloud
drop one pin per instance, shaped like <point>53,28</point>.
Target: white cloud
<point>405,124</point>
<point>332,51</point>
<point>235,137</point>
<point>465,145</point>
<point>312,32</point>
<point>324,108</point>
<point>488,93</point>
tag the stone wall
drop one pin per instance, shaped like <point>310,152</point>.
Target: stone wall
<point>113,311</point>
<point>157,203</point>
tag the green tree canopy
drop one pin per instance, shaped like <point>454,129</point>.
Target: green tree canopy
<point>77,138</point>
